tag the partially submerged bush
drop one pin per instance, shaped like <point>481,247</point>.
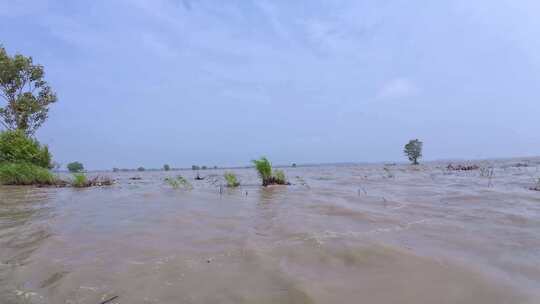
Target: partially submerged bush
<point>231,179</point>
<point>460,167</point>
<point>26,174</point>
<point>178,181</point>
<point>81,181</point>
<point>75,167</point>
<point>264,168</point>
<point>17,147</point>
<point>280,178</point>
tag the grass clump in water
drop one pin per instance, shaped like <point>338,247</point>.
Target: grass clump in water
<point>280,178</point>
<point>79,180</point>
<point>26,174</point>
<point>264,168</point>
<point>232,180</point>
<point>178,182</point>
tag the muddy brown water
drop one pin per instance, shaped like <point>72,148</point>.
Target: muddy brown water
<point>339,234</point>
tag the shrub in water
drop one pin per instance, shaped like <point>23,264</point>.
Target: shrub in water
<point>264,168</point>
<point>280,178</point>
<point>231,179</point>
<point>25,174</point>
<point>79,180</point>
<point>178,182</point>
<point>17,147</point>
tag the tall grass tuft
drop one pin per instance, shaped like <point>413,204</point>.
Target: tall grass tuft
<point>232,181</point>
<point>280,178</point>
<point>79,180</point>
<point>264,168</point>
<point>25,174</point>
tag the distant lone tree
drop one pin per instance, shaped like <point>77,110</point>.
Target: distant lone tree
<point>25,94</point>
<point>413,150</point>
<point>166,167</point>
<point>75,167</point>
<point>195,167</point>
<point>140,169</point>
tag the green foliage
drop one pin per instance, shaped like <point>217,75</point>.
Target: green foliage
<point>195,168</point>
<point>264,168</point>
<point>280,178</point>
<point>26,93</point>
<point>178,182</point>
<point>294,165</point>
<point>231,179</point>
<point>79,180</point>
<point>75,167</point>
<point>166,167</point>
<point>17,147</point>
<point>140,169</point>
<point>25,174</point>
<point>413,150</point>
<point>204,167</point>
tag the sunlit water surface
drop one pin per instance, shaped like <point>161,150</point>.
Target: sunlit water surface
<point>339,234</point>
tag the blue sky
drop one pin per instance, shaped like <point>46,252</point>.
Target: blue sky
<point>143,83</point>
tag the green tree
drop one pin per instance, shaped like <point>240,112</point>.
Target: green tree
<point>141,169</point>
<point>413,150</point>
<point>17,147</point>
<point>25,93</point>
<point>166,167</point>
<point>75,167</point>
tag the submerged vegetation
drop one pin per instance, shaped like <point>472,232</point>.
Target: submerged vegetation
<point>231,179</point>
<point>264,168</point>
<point>280,178</point>
<point>178,182</point>
<point>80,180</point>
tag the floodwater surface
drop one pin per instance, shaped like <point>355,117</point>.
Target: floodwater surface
<point>338,234</point>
